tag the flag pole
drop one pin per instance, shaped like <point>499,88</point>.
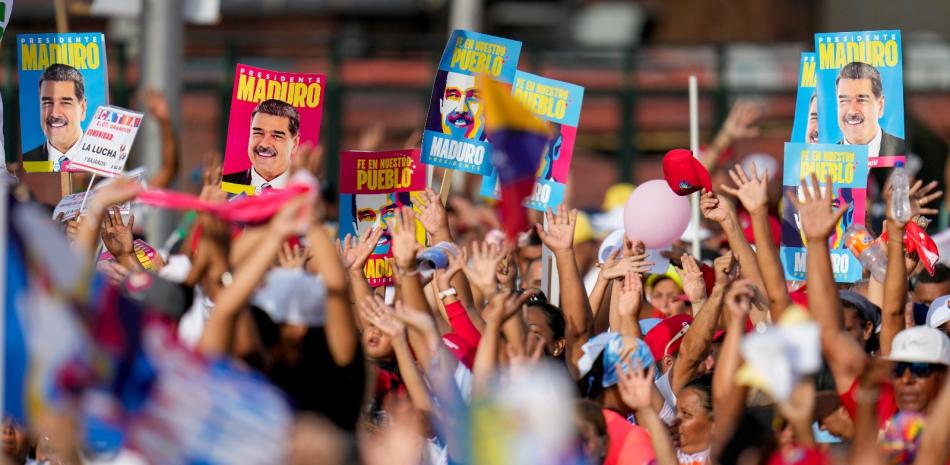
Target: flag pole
<point>4,226</point>
<point>694,147</point>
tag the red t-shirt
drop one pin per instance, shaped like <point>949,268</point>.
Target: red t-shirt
<point>886,405</point>
<point>629,444</point>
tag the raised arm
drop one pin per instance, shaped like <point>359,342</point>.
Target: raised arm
<point>157,107</point>
<point>739,124</point>
<point>218,335</point>
<point>723,212</point>
<point>693,284</point>
<point>436,223</point>
<point>559,237</point>
<point>935,440</point>
<point>355,253</point>
<point>629,303</point>
<point>728,397</point>
<point>638,390</point>
<point>375,311</point>
<point>117,192</point>
<point>698,339</point>
<point>752,191</point>
<point>117,238</point>
<point>895,283</point>
<point>844,356</point>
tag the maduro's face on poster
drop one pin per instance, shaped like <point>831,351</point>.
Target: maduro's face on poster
<point>374,210</point>
<point>858,110</point>
<point>811,130</point>
<point>460,107</point>
<point>271,144</point>
<point>62,111</point>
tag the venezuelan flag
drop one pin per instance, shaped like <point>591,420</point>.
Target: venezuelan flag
<point>518,139</point>
<point>15,352</point>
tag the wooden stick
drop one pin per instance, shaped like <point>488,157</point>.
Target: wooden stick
<point>446,186</point>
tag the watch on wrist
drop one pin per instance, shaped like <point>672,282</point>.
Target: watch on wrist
<point>448,292</point>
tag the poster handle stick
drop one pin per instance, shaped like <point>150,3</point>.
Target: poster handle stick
<point>88,189</point>
<point>694,148</point>
<point>446,186</point>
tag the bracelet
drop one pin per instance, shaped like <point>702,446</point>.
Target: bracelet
<point>448,292</point>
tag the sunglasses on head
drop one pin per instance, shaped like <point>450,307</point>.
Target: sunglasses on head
<point>917,369</point>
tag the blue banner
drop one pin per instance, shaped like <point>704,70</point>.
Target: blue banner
<point>847,166</point>
<point>558,103</point>
<point>455,135</point>
<point>861,90</point>
<point>805,125</point>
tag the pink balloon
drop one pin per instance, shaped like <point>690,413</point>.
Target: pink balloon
<point>655,215</point>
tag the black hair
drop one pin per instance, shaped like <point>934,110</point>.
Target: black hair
<point>941,275</point>
<point>554,316</point>
<point>859,70</point>
<point>703,385</point>
<point>753,433</point>
<point>62,73</point>
<point>276,107</point>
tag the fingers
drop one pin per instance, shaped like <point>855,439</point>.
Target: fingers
<point>754,173</point>
<point>729,189</point>
<point>734,175</point>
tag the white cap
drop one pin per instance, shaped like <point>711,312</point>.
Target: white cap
<point>292,296</point>
<point>921,344</point>
<point>939,312</point>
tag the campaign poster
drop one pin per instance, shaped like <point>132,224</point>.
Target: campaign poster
<point>105,146</point>
<point>848,168</point>
<point>454,135</point>
<point>63,79</point>
<point>805,124</point>
<point>272,114</point>
<point>73,205</point>
<point>372,186</point>
<point>861,90</point>
<point>558,103</point>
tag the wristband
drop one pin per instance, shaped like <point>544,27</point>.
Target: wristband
<point>448,292</point>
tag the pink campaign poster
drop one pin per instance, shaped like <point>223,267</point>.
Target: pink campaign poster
<point>272,114</point>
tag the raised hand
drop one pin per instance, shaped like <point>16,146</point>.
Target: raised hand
<point>483,265</point>
<point>507,272</point>
<point>726,268</point>
<point>818,217</point>
<point>693,284</point>
<point>292,257</point>
<point>739,299</point>
<point>534,350</point>
<point>293,218</point>
<point>616,267</point>
<point>382,316</point>
<point>751,191</point>
<point>403,232</point>
<point>156,104</point>
<point>713,207</point>
<point>636,385</point>
<point>419,320</point>
<point>116,235</point>
<point>443,278</point>
<point>503,306</point>
<point>631,295</point>
<point>211,178</point>
<point>432,213</point>
<point>560,233</point>
<point>740,123</point>
<point>921,195</point>
<point>72,228</point>
<point>355,252</point>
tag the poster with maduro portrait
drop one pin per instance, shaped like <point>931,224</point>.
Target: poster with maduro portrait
<point>63,79</point>
<point>847,167</point>
<point>861,90</point>
<point>272,114</point>
<point>558,103</point>
<point>372,186</point>
<point>805,124</point>
<point>454,135</point>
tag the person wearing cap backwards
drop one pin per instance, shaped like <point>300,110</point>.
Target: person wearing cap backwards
<point>920,354</point>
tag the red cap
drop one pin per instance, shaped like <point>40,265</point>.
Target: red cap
<point>719,335</point>
<point>799,456</point>
<point>665,338</point>
<point>684,173</point>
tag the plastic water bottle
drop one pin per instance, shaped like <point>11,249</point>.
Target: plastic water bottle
<point>868,251</point>
<point>900,196</point>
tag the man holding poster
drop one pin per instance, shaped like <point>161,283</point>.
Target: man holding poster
<point>62,77</point>
<point>272,113</point>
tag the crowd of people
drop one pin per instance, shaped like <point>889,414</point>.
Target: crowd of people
<point>474,364</point>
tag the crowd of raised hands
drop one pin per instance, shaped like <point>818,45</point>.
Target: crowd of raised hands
<point>412,373</point>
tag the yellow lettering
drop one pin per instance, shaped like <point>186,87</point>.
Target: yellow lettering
<point>245,91</point>
<point>28,57</point>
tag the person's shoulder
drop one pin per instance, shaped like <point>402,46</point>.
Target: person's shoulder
<point>38,153</point>
<point>238,177</point>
